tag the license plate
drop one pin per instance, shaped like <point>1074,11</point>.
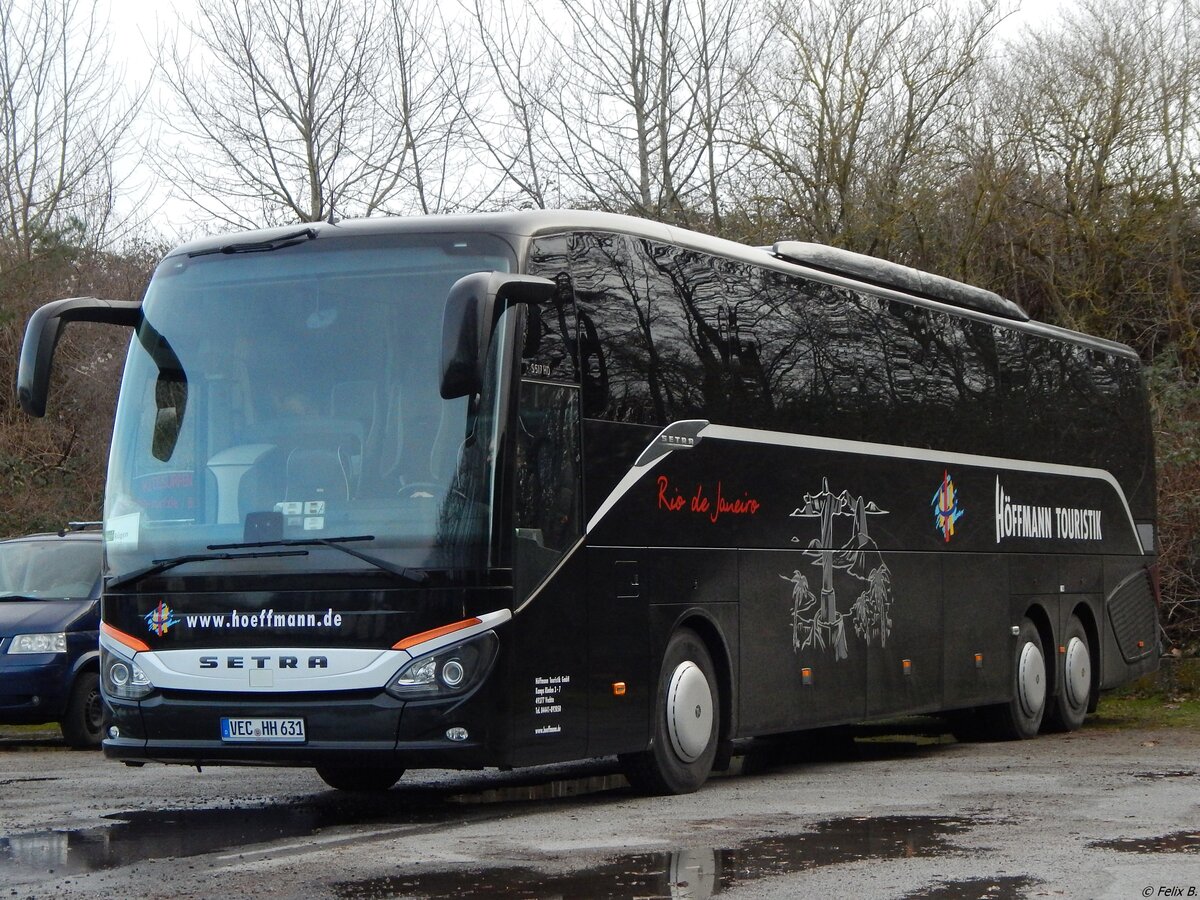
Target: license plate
<point>280,730</point>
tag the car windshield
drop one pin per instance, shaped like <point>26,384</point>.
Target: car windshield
<point>293,393</point>
<point>49,569</point>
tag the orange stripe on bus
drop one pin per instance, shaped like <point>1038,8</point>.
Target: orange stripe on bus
<point>413,640</point>
<point>121,637</point>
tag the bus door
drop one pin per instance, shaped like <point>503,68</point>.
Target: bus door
<point>548,668</point>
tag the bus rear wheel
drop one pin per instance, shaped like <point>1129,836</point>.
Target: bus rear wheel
<point>1070,707</point>
<point>1021,717</point>
<point>360,778</point>
<point>686,722</point>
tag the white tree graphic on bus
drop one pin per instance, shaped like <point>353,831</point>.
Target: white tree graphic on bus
<point>816,621</point>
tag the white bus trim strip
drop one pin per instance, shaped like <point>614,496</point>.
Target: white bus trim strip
<point>347,669</point>
<point>864,448</point>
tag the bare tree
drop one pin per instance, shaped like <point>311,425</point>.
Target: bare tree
<point>63,120</point>
<point>275,113</point>
<point>857,108</point>
<point>504,97</point>
<point>417,104</point>
<point>1174,46</point>
<point>639,116</point>
<point>1097,214</point>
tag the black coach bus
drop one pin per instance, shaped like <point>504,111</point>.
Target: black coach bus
<point>502,490</point>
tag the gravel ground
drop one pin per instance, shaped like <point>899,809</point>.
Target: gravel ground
<point>1097,813</point>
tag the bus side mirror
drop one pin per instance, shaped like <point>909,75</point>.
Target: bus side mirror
<point>41,338</point>
<point>472,308</point>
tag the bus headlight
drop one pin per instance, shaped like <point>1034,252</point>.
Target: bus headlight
<point>449,671</point>
<point>122,678</point>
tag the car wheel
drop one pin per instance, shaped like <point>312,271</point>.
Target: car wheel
<point>83,723</point>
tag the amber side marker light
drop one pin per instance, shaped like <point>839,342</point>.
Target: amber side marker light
<point>122,638</point>
<point>618,689</point>
<point>413,639</point>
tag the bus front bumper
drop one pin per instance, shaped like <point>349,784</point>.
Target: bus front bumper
<point>364,729</point>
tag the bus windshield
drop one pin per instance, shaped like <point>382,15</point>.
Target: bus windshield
<point>292,394</point>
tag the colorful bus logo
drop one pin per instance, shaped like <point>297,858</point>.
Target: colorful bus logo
<point>946,510</point>
<point>161,618</point>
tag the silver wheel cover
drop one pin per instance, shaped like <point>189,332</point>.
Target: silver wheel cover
<point>1031,680</point>
<point>689,711</point>
<point>1079,673</point>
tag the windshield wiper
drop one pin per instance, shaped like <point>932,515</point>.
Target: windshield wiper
<point>20,597</point>
<point>161,565</point>
<point>412,576</point>
<point>287,240</point>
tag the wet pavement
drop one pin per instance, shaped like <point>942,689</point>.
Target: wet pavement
<point>693,872</point>
<point>138,836</point>
<point>1176,842</point>
<point>907,814</point>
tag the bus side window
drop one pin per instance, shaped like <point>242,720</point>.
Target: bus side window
<point>621,378</point>
<point>681,294</point>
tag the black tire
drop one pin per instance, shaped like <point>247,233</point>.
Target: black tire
<point>83,722</point>
<point>688,699</point>
<point>1021,717</point>
<point>1068,710</point>
<point>373,779</point>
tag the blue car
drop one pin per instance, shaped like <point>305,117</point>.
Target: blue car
<point>49,633</point>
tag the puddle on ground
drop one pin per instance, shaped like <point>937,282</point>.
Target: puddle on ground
<point>1001,887</point>
<point>1176,842</point>
<point>7,781</point>
<point>693,874</point>
<point>137,836</point>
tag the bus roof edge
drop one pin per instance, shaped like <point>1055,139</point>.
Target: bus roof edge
<point>882,273</point>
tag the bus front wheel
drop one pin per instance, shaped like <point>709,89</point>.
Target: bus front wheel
<point>686,722</point>
<point>359,778</point>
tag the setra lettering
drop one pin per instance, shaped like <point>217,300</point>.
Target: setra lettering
<point>263,662</point>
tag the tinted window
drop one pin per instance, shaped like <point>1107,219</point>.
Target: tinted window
<point>621,379</point>
<point>549,346</point>
<point>669,333</point>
